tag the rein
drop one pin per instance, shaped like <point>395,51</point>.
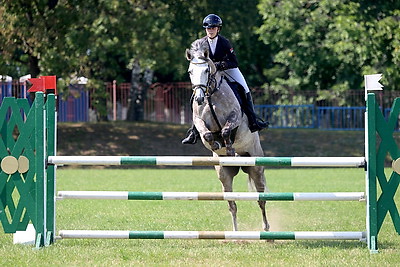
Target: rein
<point>210,102</point>
<point>213,112</point>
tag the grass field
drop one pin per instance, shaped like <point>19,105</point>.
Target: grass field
<point>206,215</point>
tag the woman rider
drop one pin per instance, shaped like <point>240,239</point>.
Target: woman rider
<point>224,58</point>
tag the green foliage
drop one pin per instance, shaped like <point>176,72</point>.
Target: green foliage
<point>330,44</point>
<point>101,39</point>
<point>289,46</point>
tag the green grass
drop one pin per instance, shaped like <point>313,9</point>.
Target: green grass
<point>206,215</point>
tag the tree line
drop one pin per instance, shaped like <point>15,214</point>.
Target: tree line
<point>283,46</point>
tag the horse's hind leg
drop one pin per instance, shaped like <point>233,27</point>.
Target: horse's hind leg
<point>261,204</point>
<point>256,176</point>
<point>233,211</point>
<point>225,175</point>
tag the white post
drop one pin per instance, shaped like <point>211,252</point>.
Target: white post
<point>114,100</point>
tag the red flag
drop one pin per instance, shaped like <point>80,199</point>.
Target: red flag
<point>43,83</point>
<point>37,85</point>
<point>49,82</point>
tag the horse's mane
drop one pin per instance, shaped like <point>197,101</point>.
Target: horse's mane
<point>199,48</point>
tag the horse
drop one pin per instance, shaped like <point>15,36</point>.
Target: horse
<point>222,125</point>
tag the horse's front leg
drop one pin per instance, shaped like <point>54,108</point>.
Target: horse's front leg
<point>226,131</point>
<point>226,135</point>
<point>206,134</point>
<point>215,145</point>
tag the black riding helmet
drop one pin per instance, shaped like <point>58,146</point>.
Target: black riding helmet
<point>211,21</point>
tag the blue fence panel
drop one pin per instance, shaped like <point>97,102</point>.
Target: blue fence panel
<point>386,113</point>
<point>22,92</point>
<point>75,108</point>
<point>287,116</point>
<point>6,89</point>
<point>341,118</point>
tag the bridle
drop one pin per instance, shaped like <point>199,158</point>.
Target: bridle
<point>211,86</point>
<point>207,89</point>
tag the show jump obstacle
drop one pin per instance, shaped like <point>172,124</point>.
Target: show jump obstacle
<point>28,164</point>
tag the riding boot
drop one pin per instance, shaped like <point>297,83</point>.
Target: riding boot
<point>191,136</point>
<point>255,123</point>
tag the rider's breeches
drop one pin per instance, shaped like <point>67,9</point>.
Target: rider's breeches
<point>235,75</point>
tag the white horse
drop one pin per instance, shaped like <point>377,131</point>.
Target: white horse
<point>222,125</point>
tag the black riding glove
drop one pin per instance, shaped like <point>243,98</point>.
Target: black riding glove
<point>220,65</point>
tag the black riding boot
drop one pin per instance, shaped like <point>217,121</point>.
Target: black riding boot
<point>255,123</point>
<point>191,136</point>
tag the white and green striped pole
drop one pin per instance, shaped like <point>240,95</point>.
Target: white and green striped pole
<point>209,161</point>
<point>235,235</point>
<point>233,196</point>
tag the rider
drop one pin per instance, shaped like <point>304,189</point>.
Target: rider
<point>224,58</point>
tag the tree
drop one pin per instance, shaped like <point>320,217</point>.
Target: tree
<point>28,27</point>
<point>240,19</point>
<point>102,39</point>
<point>330,44</point>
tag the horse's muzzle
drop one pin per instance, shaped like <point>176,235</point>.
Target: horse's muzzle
<point>199,94</point>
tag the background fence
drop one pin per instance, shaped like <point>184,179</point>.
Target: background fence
<point>170,103</point>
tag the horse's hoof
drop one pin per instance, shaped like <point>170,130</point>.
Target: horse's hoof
<point>217,145</point>
<point>230,152</point>
<point>208,137</point>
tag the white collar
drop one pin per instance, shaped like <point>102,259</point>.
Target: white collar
<point>213,40</point>
<point>213,43</point>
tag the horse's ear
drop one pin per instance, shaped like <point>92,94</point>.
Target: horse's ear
<point>188,55</point>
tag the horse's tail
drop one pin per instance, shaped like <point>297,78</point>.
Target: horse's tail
<point>250,185</point>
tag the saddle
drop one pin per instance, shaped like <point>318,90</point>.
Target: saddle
<point>238,90</point>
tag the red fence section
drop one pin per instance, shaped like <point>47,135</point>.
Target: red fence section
<point>168,102</point>
<point>117,100</point>
<point>162,102</point>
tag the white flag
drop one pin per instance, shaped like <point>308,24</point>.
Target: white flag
<point>372,82</point>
